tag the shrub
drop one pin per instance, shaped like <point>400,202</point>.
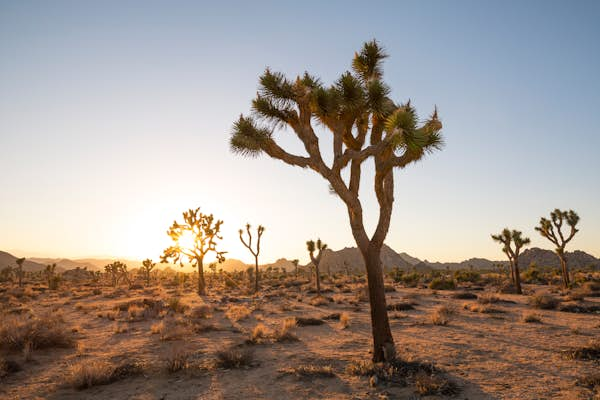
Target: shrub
<point>234,358</point>
<point>481,308</point>
<point>441,283</point>
<point>319,301</point>
<point>402,306</point>
<point>544,301</point>
<point>430,384</point>
<point>236,313</point>
<point>441,315</point>
<point>532,318</point>
<point>176,359</point>
<point>589,352</point>
<point>487,298</point>
<point>259,333</point>
<point>45,331</point>
<point>285,331</point>
<point>464,296</point>
<point>90,373</point>
<point>467,276</point>
<point>176,305</point>
<point>309,321</point>
<point>309,371</point>
<point>203,311</point>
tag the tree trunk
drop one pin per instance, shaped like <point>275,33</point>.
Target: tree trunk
<point>512,273</point>
<point>201,282</point>
<point>318,279</point>
<point>20,276</point>
<point>255,274</point>
<point>383,341</point>
<point>517,278</point>
<point>565,271</point>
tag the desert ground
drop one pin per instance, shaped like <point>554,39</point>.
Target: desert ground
<point>88,340</point>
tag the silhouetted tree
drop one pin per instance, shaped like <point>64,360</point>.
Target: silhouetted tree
<point>551,229</point>
<point>311,246</point>
<point>147,267</point>
<point>296,262</point>
<point>506,238</point>
<point>259,232</point>
<point>117,271</point>
<point>204,231</point>
<point>51,278</point>
<point>20,271</point>
<point>364,123</point>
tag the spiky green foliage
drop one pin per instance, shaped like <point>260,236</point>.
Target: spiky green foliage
<point>551,229</point>
<point>205,233</point>
<point>255,252</point>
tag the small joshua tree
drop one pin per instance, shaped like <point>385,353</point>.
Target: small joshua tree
<point>506,238</point>
<point>51,277</point>
<point>295,262</point>
<point>20,271</point>
<point>552,230</point>
<point>311,246</point>
<point>194,239</point>
<point>147,267</point>
<point>116,270</point>
<point>259,232</point>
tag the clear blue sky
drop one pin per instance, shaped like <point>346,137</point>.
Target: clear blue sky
<point>115,117</point>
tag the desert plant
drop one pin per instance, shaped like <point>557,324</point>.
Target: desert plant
<point>117,271</point>
<point>147,267</point>
<point>344,320</point>
<point>284,333</point>
<point>442,283</point>
<point>295,262</point>
<point>194,239</point>
<point>50,274</point>
<point>20,272</point>
<point>441,315</point>
<point>544,301</point>
<point>551,229</point>
<point>255,252</point>
<point>319,246</point>
<point>506,238</point>
<point>234,357</point>
<point>356,108</point>
<point>37,332</point>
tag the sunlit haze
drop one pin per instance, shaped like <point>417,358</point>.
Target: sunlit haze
<point>115,118</point>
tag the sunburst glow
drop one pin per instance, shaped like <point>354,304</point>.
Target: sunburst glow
<point>187,240</point>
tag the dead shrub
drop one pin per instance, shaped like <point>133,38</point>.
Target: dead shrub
<point>441,315</point>
<point>259,334</point>
<point>344,320</point>
<point>309,371</point>
<point>236,313</point>
<point>544,301</point>
<point>38,332</point>
<point>203,311</point>
<point>481,308</point>
<point>284,333</point>
<point>176,359</point>
<point>86,374</point>
<point>176,305</point>
<point>431,384</point>
<point>234,357</point>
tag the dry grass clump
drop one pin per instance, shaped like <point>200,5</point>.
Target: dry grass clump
<point>203,311</point>
<point>488,298</point>
<point>285,332</point>
<point>431,384</point>
<point>589,352</point>
<point>176,305</point>
<point>170,329</point>
<point>481,308</point>
<point>441,315</point>
<point>260,333</point>
<point>544,301</point>
<point>86,374</point>
<point>532,318</point>
<point>35,332</point>
<point>319,301</point>
<point>309,371</point>
<point>176,359</point>
<point>344,320</point>
<point>237,312</point>
<point>234,357</point>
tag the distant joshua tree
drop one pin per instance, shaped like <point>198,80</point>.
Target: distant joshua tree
<point>194,239</point>
<point>311,246</point>
<point>259,232</point>
<point>147,267</point>
<point>296,262</point>
<point>116,270</point>
<point>506,238</point>
<point>364,124</point>
<point>552,230</point>
<point>51,277</point>
<point>20,271</point>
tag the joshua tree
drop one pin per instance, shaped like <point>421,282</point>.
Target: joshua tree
<point>147,267</point>
<point>311,246</point>
<point>506,237</point>
<point>116,270</point>
<point>364,123</point>
<point>194,239</point>
<point>552,230</point>
<point>51,276</point>
<point>295,262</point>
<point>259,232</point>
<point>20,271</point>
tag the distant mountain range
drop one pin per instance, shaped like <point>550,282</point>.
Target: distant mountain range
<point>347,259</point>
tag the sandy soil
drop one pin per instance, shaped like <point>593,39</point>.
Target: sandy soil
<point>488,355</point>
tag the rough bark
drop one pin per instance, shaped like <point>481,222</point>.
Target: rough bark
<point>255,274</point>
<point>517,278</point>
<point>318,279</point>
<point>565,271</point>
<point>201,282</point>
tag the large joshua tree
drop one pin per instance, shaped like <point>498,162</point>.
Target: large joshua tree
<point>319,246</point>
<point>363,123</point>
<point>551,229</point>
<point>194,239</point>
<point>255,252</point>
<point>507,238</point>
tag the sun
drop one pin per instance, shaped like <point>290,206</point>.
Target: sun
<point>187,241</point>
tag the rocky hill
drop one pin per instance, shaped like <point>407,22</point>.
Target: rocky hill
<point>8,260</point>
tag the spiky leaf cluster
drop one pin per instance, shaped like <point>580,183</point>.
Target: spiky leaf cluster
<point>551,228</point>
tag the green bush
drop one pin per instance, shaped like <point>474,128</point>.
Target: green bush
<point>442,283</point>
<point>467,276</point>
